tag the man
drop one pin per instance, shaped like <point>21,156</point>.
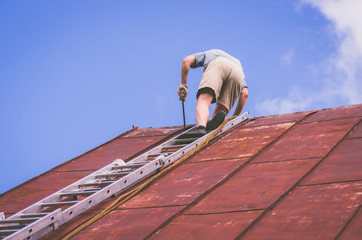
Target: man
<point>223,82</point>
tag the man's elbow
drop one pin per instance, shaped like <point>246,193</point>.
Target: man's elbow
<point>245,93</point>
<point>188,61</point>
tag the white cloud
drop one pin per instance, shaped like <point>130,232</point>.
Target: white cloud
<point>288,57</point>
<point>342,71</point>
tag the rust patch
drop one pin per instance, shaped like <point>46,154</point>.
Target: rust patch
<point>354,228</point>
<point>242,142</point>
<point>128,224</point>
<point>308,140</point>
<point>255,187</point>
<point>216,226</point>
<point>310,212</point>
<point>343,164</point>
<point>336,113</point>
<point>184,184</point>
<point>293,117</point>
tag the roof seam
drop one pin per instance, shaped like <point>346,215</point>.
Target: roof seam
<point>297,184</point>
<point>287,160</point>
<point>219,159</point>
<point>77,170</point>
<point>148,136</point>
<point>215,213</point>
<point>332,119</point>
<point>326,183</point>
<point>353,138</point>
<point>163,206</point>
<point>348,222</point>
<point>224,179</point>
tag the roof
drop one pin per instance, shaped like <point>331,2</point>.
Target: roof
<point>278,177</point>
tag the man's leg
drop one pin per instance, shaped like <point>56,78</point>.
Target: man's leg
<point>202,108</point>
<point>220,107</point>
<point>217,118</point>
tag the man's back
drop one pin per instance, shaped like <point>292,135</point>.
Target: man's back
<point>203,59</point>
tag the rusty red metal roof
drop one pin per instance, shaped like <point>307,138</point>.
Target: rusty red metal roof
<point>293,176</point>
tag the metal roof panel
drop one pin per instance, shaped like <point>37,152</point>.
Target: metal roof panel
<point>343,164</point>
<point>336,113</point>
<point>255,187</point>
<point>309,140</point>
<point>310,212</point>
<point>215,226</point>
<point>184,184</point>
<point>242,142</point>
<point>128,224</point>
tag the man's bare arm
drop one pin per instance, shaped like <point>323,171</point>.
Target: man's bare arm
<point>185,68</point>
<point>242,101</point>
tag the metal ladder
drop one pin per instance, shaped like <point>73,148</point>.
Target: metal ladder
<point>49,213</point>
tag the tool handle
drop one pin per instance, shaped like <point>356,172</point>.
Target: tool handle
<point>183,111</point>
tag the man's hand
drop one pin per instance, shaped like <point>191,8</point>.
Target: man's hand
<point>182,92</point>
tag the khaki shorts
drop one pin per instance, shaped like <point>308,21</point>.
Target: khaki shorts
<point>226,79</point>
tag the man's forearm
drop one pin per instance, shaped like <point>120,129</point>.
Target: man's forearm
<point>239,107</point>
<point>185,68</point>
<point>184,72</point>
<point>241,103</point>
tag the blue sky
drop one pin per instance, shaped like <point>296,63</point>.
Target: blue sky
<point>74,74</point>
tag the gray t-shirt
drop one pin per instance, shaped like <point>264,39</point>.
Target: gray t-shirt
<point>204,58</point>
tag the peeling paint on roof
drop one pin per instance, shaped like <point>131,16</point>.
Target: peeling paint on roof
<point>293,176</point>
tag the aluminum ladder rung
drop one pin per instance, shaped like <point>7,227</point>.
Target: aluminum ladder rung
<point>116,174</point>
<point>9,227</point>
<point>18,220</point>
<point>33,222</point>
<point>184,140</point>
<point>173,146</point>
<point>27,229</point>
<point>130,166</point>
<point>77,193</point>
<point>7,232</point>
<point>158,154</point>
<point>58,204</point>
<point>30,215</point>
<point>89,184</point>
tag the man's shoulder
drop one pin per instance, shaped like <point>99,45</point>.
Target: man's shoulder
<point>216,51</point>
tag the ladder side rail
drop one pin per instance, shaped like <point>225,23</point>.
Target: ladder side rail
<point>129,180</point>
<point>239,119</point>
<point>36,207</point>
<point>144,157</point>
<point>178,154</point>
<point>36,226</point>
<point>174,156</point>
<point>115,188</point>
<point>58,217</point>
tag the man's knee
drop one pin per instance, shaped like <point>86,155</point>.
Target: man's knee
<point>205,98</point>
<point>207,91</point>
